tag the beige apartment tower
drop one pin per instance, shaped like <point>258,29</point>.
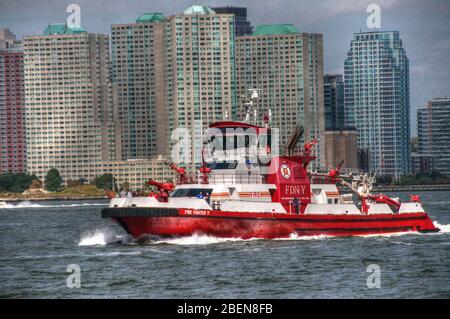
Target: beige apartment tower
<point>139,75</point>
<point>68,102</point>
<point>200,83</point>
<point>287,66</point>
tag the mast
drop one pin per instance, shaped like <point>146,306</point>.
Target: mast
<point>252,105</point>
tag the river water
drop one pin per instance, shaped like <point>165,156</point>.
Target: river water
<point>40,240</point>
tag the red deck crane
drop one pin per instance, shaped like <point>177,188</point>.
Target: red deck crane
<point>164,189</point>
<point>183,177</point>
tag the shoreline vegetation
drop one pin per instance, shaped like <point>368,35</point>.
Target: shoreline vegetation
<point>90,192</point>
<point>25,187</point>
<point>406,188</point>
<point>69,193</point>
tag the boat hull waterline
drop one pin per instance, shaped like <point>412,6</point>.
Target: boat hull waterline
<point>143,222</point>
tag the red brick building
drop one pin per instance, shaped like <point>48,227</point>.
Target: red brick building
<point>12,113</point>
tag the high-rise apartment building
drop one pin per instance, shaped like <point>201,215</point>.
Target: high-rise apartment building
<point>333,91</point>
<point>423,130</point>
<point>138,74</point>
<point>201,73</point>
<point>433,128</point>
<point>8,40</point>
<point>341,146</point>
<point>341,143</point>
<point>12,135</point>
<point>287,66</point>
<point>377,99</point>
<point>241,25</point>
<point>68,102</point>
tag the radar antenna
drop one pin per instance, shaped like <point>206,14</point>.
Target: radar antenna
<point>251,105</point>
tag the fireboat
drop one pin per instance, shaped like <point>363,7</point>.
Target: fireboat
<point>243,189</point>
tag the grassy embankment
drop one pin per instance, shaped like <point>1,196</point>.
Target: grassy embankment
<point>74,192</point>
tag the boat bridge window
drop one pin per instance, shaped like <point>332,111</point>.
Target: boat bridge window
<point>238,139</point>
<point>191,192</point>
<point>223,165</point>
<point>230,142</point>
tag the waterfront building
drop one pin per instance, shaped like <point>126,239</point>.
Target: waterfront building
<point>241,25</point>
<point>287,66</point>
<point>8,40</point>
<point>138,75</point>
<point>201,75</point>
<point>376,76</point>
<point>70,123</point>
<point>423,133</point>
<point>341,145</point>
<point>333,91</point>
<point>12,113</point>
<point>421,163</point>
<point>433,126</point>
<point>137,172</point>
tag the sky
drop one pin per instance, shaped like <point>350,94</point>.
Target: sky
<point>424,27</point>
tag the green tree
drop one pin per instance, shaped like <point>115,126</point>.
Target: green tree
<point>424,180</point>
<point>436,175</point>
<point>16,183</point>
<point>384,180</point>
<point>53,180</point>
<point>104,181</point>
<point>414,144</point>
<point>442,180</point>
<point>407,180</point>
<point>125,186</point>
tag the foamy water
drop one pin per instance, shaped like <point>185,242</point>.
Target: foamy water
<point>445,229</point>
<point>28,204</point>
<point>295,236</point>
<point>198,239</point>
<point>101,237</point>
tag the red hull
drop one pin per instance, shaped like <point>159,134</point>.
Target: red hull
<point>264,225</point>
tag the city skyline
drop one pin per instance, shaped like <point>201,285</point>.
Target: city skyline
<point>425,28</point>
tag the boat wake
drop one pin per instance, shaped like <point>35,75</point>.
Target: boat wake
<point>297,237</point>
<point>197,239</point>
<point>105,237</point>
<point>445,229</point>
<point>102,237</point>
<point>201,239</point>
<point>387,235</point>
<point>27,204</point>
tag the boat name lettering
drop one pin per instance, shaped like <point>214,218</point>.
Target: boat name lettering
<point>195,212</point>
